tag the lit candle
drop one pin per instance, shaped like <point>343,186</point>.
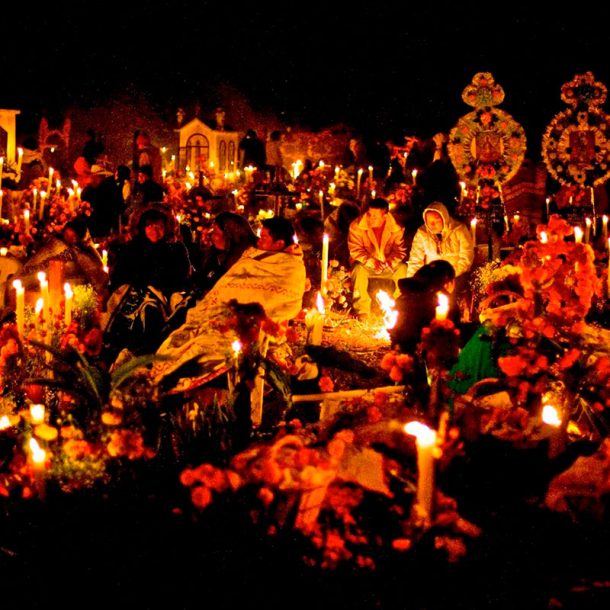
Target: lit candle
<point>370,174</point>
<point>337,170</point>
<point>44,293</point>
<point>358,180</point>
<point>26,220</point>
<point>557,436</point>
<point>19,159</point>
<point>442,309</point>
<point>3,251</point>
<point>19,305</point>
<point>425,439</point>
<point>68,296</point>
<point>321,196</point>
<point>543,237</point>
<point>324,275</point>
<point>38,454</point>
<point>39,315</point>
<point>41,209</point>
<point>587,229</point>
<point>51,171</point>
<point>548,201</point>
<point>605,227</point>
<point>462,191</point>
<point>314,322</point>
<point>609,268</point>
<point>37,414</point>
<point>414,176</point>
<point>473,230</point>
<point>516,218</point>
<point>577,235</point>
<point>105,252</point>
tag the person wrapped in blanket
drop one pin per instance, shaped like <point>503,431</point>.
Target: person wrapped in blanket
<point>147,270</point>
<point>271,274</point>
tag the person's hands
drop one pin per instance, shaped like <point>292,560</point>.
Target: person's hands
<point>380,266</point>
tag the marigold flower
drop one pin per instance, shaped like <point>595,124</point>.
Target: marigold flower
<point>201,496</point>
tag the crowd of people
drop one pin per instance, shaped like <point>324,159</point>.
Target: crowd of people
<point>164,282</point>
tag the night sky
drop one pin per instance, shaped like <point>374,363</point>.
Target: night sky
<point>382,67</point>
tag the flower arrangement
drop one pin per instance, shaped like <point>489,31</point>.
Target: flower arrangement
<point>348,503</point>
<point>548,342</point>
<point>486,144</point>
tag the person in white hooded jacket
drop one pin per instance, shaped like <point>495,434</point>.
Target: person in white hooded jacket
<point>443,237</point>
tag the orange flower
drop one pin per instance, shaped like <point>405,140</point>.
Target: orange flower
<point>201,496</point>
<point>326,384</point>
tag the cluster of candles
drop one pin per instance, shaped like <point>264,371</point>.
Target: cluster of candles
<point>43,304</point>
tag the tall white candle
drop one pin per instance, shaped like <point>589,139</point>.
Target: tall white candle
<point>473,230</point>
<point>19,305</point>
<point>44,293</point>
<point>605,227</point>
<point>577,235</point>
<point>19,159</point>
<point>547,201</point>
<point>324,274</point>
<point>68,296</point>
<point>51,172</point>
<point>587,229</point>
<point>462,191</point>
<point>358,180</point>
<point>425,439</point>
<point>26,220</point>
<point>321,197</point>
<point>414,176</point>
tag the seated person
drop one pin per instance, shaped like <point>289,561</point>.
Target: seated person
<point>230,235</point>
<point>337,225</point>
<point>416,305</point>
<point>443,237</point>
<point>376,247</point>
<point>74,247</point>
<point>147,271</point>
<point>271,274</point>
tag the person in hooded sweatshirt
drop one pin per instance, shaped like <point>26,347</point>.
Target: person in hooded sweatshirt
<point>443,237</point>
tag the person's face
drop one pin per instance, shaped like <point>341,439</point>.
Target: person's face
<point>218,237</point>
<point>434,221</point>
<point>266,241</point>
<point>154,230</point>
<point>70,236</point>
<point>376,217</point>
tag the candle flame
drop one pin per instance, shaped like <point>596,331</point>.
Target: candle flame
<point>38,454</point>
<point>5,422</point>
<point>320,303</point>
<point>37,413</point>
<point>68,290</point>
<point>550,416</point>
<point>39,305</point>
<point>543,237</point>
<point>426,437</point>
<point>386,302</point>
<point>236,347</point>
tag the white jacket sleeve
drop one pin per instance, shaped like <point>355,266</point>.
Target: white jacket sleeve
<point>417,255</point>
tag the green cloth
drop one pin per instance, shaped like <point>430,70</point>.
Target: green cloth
<point>476,361</point>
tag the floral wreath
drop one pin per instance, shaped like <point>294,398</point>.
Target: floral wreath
<point>575,145</point>
<point>487,144</point>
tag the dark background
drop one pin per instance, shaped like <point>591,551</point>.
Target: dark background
<point>384,68</point>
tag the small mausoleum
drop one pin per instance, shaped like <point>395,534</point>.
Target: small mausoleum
<point>8,131</point>
<point>203,145</point>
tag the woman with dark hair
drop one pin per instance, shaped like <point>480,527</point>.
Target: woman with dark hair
<point>148,269</point>
<point>231,234</point>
